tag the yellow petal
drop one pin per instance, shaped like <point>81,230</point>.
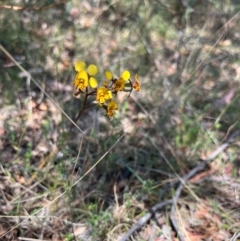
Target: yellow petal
<point>83,76</point>
<point>126,75</point>
<point>79,66</point>
<point>112,105</point>
<point>93,82</point>
<point>76,81</point>
<point>109,94</point>
<point>101,90</point>
<point>119,84</point>
<point>108,75</point>
<point>92,69</point>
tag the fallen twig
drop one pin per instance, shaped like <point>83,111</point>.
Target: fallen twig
<point>181,184</point>
<point>142,221</point>
<point>192,173</point>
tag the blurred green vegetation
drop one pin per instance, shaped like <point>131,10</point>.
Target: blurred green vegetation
<point>186,54</point>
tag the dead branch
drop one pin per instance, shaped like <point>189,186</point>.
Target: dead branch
<point>142,221</point>
<point>181,184</point>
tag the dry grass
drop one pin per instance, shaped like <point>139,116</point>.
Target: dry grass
<point>97,181</point>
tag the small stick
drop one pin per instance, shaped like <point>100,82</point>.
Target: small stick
<point>142,221</point>
<point>181,184</point>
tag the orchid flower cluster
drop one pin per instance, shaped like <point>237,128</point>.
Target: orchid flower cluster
<point>86,82</point>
